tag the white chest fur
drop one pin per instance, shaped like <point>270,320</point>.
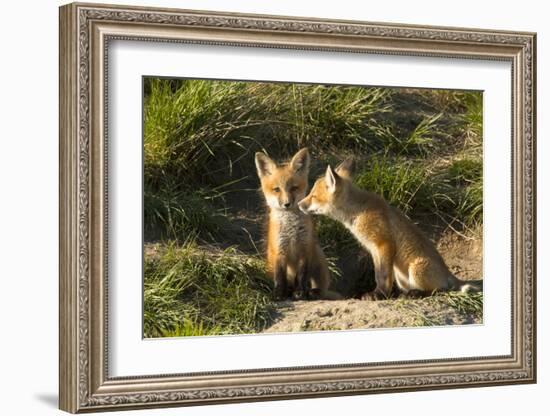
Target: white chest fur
<point>292,227</point>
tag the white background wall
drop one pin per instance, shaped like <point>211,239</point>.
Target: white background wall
<point>28,204</point>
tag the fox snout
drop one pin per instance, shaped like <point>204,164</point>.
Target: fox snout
<point>304,205</point>
<point>287,203</point>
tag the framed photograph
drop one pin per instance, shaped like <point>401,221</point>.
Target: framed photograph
<point>264,207</point>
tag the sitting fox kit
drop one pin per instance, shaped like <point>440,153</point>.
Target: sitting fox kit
<point>295,260</point>
<point>399,250</point>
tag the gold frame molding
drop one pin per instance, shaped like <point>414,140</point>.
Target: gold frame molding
<point>85,32</point>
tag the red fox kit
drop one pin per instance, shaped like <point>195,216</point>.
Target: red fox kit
<point>295,260</point>
<point>399,250</point>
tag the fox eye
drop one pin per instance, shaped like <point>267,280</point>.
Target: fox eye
<point>277,189</point>
<point>293,188</point>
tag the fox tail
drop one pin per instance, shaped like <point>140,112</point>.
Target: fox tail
<point>466,286</point>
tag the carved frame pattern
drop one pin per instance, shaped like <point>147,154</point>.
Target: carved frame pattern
<point>78,390</point>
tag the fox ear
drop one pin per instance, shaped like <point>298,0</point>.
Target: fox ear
<point>330,179</point>
<point>264,165</point>
<point>346,169</point>
<point>300,161</point>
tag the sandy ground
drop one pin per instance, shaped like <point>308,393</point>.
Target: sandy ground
<point>356,314</point>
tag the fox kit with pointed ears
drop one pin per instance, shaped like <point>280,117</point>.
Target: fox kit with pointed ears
<point>398,248</point>
<point>295,260</point>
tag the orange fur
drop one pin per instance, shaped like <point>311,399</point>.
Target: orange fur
<point>295,260</point>
<point>400,251</point>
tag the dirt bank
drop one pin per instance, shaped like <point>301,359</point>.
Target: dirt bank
<point>355,314</point>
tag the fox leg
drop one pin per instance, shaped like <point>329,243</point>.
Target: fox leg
<point>301,280</point>
<point>383,257</point>
<point>315,289</point>
<point>279,277</point>
<point>427,278</point>
<point>319,275</point>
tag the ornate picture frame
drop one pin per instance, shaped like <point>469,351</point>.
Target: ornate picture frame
<point>85,33</point>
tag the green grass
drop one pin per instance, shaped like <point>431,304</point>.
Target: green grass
<point>458,191</point>
<point>202,130</point>
<point>200,137</point>
<point>319,116</point>
<point>473,117</point>
<point>397,180</point>
<point>190,329</point>
<point>466,170</point>
<point>465,304</point>
<point>418,186</point>
<point>392,138</point>
<point>176,214</point>
<point>470,206</point>
<point>186,128</point>
<point>338,117</point>
<point>190,290</point>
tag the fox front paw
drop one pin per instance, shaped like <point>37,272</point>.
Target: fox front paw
<point>374,295</point>
<point>314,294</point>
<point>279,293</point>
<point>299,295</point>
